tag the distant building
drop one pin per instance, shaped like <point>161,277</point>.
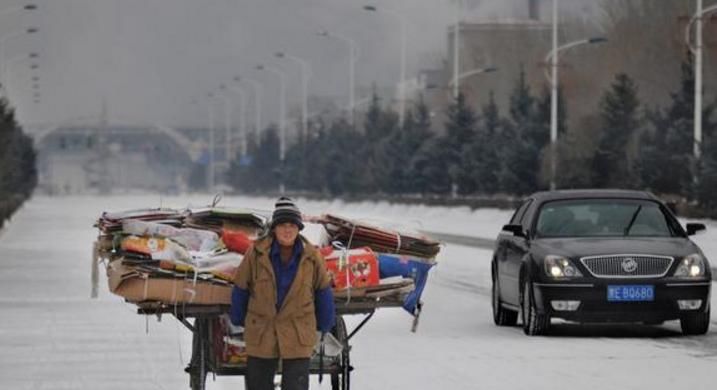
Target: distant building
<point>509,45</point>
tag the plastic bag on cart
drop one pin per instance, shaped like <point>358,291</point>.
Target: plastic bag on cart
<point>413,267</point>
<point>230,345</point>
<point>332,346</point>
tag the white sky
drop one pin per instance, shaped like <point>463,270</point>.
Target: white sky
<point>150,58</point>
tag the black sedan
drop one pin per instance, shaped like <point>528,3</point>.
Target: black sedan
<point>599,256</point>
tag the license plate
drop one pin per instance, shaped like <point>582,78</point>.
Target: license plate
<point>630,293</point>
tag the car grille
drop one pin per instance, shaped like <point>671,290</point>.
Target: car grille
<point>628,266</point>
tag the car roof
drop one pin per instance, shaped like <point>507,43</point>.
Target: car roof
<point>593,193</point>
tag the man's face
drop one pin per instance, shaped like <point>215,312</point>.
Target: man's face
<point>286,233</point>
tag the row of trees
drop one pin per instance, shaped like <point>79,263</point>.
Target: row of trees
<point>18,175</point>
<point>486,152</point>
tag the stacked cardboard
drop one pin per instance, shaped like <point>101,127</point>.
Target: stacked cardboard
<point>174,256</point>
<point>190,256</point>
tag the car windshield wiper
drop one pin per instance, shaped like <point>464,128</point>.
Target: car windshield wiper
<point>632,220</point>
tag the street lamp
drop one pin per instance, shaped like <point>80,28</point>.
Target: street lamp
<point>352,68</point>
<point>17,8</point>
<point>282,106</point>
<point>7,64</point>
<point>456,51</point>
<point>402,85</point>
<point>242,122</point>
<point>697,51</point>
<point>210,167</point>
<point>5,38</point>
<point>227,122</point>
<point>305,75</point>
<point>456,80</point>
<point>553,79</point>
<point>258,94</point>
<point>282,114</point>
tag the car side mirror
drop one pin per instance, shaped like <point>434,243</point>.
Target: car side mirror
<point>693,228</point>
<point>517,230</point>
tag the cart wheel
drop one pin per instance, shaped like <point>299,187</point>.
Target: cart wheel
<point>341,379</point>
<point>198,364</point>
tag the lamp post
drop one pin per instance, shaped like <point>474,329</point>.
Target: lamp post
<point>210,164</point>
<point>17,8</point>
<point>456,51</point>
<point>242,120</point>
<point>696,49</point>
<point>5,38</point>
<point>402,85</point>
<point>258,94</point>
<point>282,114</point>
<point>7,64</point>
<point>552,58</point>
<point>305,75</point>
<point>456,79</point>
<point>352,68</point>
<point>227,123</point>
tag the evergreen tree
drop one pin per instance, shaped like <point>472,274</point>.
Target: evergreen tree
<point>378,153</point>
<point>18,175</point>
<point>708,179</point>
<point>522,142</point>
<point>345,171</point>
<point>417,137</point>
<point>620,121</point>
<point>485,148</point>
<point>265,171</point>
<point>666,163</point>
<point>460,133</point>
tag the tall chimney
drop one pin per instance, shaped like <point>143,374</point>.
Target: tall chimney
<point>534,10</point>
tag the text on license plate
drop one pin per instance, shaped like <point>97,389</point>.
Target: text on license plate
<point>630,293</point>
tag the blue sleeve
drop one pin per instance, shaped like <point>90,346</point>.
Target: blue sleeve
<point>325,309</point>
<point>240,300</point>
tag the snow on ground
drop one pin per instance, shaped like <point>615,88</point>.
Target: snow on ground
<point>53,336</point>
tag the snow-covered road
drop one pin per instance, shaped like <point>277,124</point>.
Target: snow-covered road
<point>53,336</point>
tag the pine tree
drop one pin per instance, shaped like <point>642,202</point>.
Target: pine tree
<point>346,170</point>
<point>485,148</point>
<point>620,121</point>
<point>18,175</point>
<point>380,130</point>
<point>522,142</point>
<point>460,133</point>
<point>417,136</point>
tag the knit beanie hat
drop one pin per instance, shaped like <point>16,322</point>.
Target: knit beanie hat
<point>285,210</point>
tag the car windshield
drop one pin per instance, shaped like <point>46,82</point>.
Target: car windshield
<point>602,217</point>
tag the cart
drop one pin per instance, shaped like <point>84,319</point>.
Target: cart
<point>200,320</point>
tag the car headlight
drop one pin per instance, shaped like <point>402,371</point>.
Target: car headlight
<point>692,266</point>
<point>560,267</point>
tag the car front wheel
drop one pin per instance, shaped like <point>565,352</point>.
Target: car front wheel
<point>501,315</point>
<point>534,323</point>
<point>695,324</point>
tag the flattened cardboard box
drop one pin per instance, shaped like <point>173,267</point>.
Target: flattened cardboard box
<point>137,287</point>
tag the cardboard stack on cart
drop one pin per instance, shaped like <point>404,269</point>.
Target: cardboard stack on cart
<point>174,256</point>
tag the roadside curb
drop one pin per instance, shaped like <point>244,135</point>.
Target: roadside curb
<point>476,242</point>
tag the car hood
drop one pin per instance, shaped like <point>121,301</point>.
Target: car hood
<point>592,246</point>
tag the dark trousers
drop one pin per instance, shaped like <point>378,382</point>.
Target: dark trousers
<point>260,374</point>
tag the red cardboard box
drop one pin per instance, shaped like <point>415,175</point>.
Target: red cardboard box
<point>359,268</point>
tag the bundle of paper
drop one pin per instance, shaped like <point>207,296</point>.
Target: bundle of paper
<point>354,234</point>
<point>112,222</point>
<point>218,218</point>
